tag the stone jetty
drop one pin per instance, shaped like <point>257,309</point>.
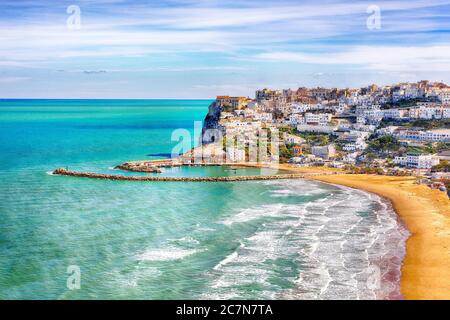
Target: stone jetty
<point>139,166</point>
<point>92,175</point>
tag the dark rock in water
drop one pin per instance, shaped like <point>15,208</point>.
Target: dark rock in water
<point>60,171</point>
<point>138,167</point>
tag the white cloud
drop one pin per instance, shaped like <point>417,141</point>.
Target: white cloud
<point>136,30</point>
<point>13,79</point>
<point>377,58</point>
<point>230,40</point>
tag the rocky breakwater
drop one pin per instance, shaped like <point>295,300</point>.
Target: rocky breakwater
<point>139,166</point>
<point>64,172</point>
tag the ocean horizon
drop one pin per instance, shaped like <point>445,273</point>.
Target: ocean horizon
<point>290,239</point>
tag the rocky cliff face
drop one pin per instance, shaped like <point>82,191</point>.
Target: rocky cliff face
<point>212,129</point>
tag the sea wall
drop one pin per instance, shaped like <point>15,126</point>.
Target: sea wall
<point>92,175</point>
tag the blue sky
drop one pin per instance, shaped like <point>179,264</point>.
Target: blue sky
<point>200,49</point>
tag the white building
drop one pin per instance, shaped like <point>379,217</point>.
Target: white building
<point>318,119</point>
<point>444,96</point>
<point>355,141</point>
<point>357,144</point>
<point>412,92</point>
<point>444,155</point>
<point>248,113</point>
<point>316,128</point>
<point>438,135</point>
<point>235,154</point>
<point>325,152</point>
<point>299,108</point>
<point>295,119</point>
<point>393,114</point>
<point>292,139</point>
<point>362,109</point>
<point>264,117</point>
<point>350,158</point>
<point>341,108</point>
<point>419,161</point>
<point>429,111</point>
<point>446,112</point>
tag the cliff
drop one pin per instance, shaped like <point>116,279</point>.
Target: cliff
<point>212,129</point>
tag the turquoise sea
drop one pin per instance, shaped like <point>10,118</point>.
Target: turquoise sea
<point>170,240</point>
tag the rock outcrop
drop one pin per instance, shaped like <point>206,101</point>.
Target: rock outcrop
<point>138,167</point>
<point>212,130</point>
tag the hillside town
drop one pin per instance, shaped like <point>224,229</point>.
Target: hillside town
<point>401,129</point>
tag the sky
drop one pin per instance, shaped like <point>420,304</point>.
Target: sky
<point>198,49</point>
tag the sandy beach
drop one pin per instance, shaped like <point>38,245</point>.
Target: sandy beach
<point>426,213</point>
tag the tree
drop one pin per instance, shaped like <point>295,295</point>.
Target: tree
<point>386,143</point>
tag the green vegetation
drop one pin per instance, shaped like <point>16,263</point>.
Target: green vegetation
<point>370,156</point>
<point>383,144</point>
<point>320,139</point>
<point>374,170</point>
<point>363,170</point>
<point>429,148</point>
<point>403,103</point>
<point>440,146</point>
<point>289,130</point>
<point>418,150</point>
<point>285,153</point>
<point>426,124</point>
<point>430,124</point>
<point>317,138</point>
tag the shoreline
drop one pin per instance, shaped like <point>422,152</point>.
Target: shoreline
<point>425,272</point>
<point>390,263</point>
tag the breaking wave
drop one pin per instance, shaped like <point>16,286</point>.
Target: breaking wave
<point>345,244</point>
<point>165,254</point>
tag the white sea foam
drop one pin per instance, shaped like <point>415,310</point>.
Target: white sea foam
<point>165,254</point>
<point>282,193</point>
<point>336,241</point>
<point>229,258</point>
<point>188,240</point>
<point>203,228</point>
<point>284,188</point>
<point>273,210</point>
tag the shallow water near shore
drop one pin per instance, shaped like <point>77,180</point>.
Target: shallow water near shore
<point>291,239</point>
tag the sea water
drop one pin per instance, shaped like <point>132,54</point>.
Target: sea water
<point>290,239</point>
